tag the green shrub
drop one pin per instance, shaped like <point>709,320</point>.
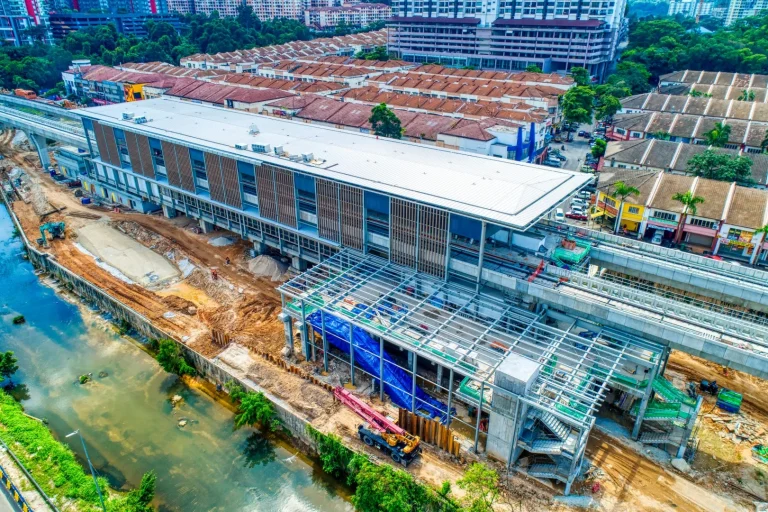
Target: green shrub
<point>336,457</point>
<point>52,463</point>
<point>256,409</point>
<point>170,358</point>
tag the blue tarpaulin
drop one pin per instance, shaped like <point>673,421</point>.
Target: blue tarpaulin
<point>397,382</point>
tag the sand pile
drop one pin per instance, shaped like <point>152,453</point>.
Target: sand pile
<point>267,266</point>
<point>304,396</point>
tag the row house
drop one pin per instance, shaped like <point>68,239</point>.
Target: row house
<point>747,136</point>
<point>753,110</point>
<point>729,222</point>
<point>674,157</point>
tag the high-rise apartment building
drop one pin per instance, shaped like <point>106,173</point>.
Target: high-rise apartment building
<point>122,6</point>
<point>509,34</point>
<point>17,16</point>
<point>738,9</point>
<point>690,8</point>
<point>358,15</point>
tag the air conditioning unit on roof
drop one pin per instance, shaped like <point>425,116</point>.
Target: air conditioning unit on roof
<point>127,116</point>
<point>261,148</point>
<point>241,146</point>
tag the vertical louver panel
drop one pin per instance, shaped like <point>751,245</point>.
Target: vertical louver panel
<point>109,138</point>
<point>286,197</point>
<point>433,240</point>
<point>215,183</point>
<point>327,209</point>
<point>265,186</point>
<point>231,182</point>
<point>185,168</point>
<point>171,166</point>
<point>145,153</point>
<point>133,152</point>
<point>403,222</point>
<point>351,199</point>
<point>101,143</point>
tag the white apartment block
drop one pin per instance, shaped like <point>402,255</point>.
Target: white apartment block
<point>738,9</point>
<point>181,6</point>
<point>690,8</point>
<point>360,15</point>
<point>509,34</point>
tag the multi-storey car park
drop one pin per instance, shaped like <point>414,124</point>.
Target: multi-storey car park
<point>440,264</point>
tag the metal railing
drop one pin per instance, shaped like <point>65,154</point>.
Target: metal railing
<point>674,256</point>
<point>33,119</point>
<point>701,321</point>
<point>39,105</point>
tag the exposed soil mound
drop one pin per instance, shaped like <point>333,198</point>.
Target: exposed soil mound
<point>251,321</point>
<point>302,395</point>
<point>176,303</point>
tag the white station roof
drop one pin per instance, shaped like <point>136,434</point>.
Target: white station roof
<point>512,193</point>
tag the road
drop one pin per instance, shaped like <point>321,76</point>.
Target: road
<point>6,504</point>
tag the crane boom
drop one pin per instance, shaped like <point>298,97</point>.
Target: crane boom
<point>381,432</point>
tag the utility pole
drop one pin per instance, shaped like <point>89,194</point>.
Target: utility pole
<point>93,473</point>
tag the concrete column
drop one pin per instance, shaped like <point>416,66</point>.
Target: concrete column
<point>288,323</point>
<point>414,361</point>
<point>689,427</point>
<point>479,414</point>
<point>351,354</point>
<point>449,404</point>
<point>206,226</point>
<point>298,263</point>
<point>169,212</point>
<point>42,149</point>
<point>643,405</point>
<point>259,247</point>
<point>325,342</point>
<point>305,341</point>
<point>439,375</point>
<point>381,369</point>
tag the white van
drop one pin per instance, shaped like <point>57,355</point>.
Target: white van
<point>559,215</point>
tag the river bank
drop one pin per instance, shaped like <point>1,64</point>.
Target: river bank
<point>127,419</point>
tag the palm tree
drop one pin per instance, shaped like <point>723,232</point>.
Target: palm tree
<point>689,202</point>
<point>623,191</point>
<point>758,249</point>
<point>719,135</point>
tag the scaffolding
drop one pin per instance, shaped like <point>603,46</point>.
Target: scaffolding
<point>470,334</point>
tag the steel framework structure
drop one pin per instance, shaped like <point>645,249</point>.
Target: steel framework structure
<point>470,333</point>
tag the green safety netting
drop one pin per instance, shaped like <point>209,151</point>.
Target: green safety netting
<point>562,256</point>
<point>658,409</point>
<point>669,393</point>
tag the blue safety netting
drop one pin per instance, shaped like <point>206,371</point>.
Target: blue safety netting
<point>396,380</point>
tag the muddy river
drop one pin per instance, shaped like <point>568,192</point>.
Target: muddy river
<point>126,416</point>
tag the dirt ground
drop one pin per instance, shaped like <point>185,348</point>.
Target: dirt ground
<point>245,307</point>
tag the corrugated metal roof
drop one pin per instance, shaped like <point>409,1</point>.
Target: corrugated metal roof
<point>504,191</point>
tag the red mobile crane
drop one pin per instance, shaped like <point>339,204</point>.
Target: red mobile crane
<point>380,431</point>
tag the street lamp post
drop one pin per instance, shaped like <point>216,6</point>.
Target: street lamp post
<point>93,473</point>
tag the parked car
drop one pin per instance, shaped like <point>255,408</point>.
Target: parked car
<point>576,215</point>
<point>559,215</point>
<point>585,194</point>
<point>657,238</point>
<point>560,157</point>
<point>584,133</point>
<point>552,163</point>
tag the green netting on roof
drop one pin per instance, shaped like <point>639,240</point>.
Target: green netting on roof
<point>577,255</point>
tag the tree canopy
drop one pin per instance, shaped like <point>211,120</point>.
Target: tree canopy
<point>578,104</point>
<point>720,166</point>
<point>38,67</point>
<point>385,123</point>
<point>667,44</point>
